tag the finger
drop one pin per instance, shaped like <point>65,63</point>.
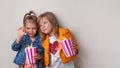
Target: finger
<point>21,28</point>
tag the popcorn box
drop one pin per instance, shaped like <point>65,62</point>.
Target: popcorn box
<point>30,53</point>
<point>67,46</point>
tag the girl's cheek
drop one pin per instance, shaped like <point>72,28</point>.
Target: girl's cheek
<point>40,28</point>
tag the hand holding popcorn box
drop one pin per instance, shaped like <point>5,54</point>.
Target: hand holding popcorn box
<point>30,53</point>
<point>67,46</point>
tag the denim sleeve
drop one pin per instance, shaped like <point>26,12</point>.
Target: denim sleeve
<point>15,46</point>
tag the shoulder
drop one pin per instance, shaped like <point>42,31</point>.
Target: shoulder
<point>37,38</point>
<point>64,33</point>
<point>25,36</point>
<point>63,30</point>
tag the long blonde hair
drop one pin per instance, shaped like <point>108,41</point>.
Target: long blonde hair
<point>53,20</point>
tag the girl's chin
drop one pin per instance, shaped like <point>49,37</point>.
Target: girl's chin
<point>31,35</point>
<point>45,32</point>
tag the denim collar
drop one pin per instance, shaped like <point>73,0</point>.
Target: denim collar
<point>26,38</point>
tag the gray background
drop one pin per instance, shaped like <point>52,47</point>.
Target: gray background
<point>95,25</point>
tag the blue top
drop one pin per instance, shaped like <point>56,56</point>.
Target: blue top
<point>24,42</point>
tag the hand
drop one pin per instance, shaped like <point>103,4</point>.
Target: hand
<point>75,49</point>
<point>21,32</point>
<point>37,56</point>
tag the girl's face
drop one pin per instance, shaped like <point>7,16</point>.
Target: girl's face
<point>46,27</point>
<point>30,28</point>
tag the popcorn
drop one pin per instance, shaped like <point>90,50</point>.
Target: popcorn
<point>30,53</point>
<point>67,46</point>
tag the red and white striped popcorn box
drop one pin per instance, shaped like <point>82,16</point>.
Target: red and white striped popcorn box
<point>30,53</point>
<point>67,46</point>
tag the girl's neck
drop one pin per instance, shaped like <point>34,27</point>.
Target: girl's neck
<point>52,33</point>
<point>32,39</point>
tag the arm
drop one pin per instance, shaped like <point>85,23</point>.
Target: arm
<point>67,34</point>
<point>16,44</point>
<point>75,47</point>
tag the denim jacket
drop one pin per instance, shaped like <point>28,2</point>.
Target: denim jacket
<point>20,48</point>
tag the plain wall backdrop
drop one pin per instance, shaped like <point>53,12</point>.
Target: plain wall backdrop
<point>95,25</point>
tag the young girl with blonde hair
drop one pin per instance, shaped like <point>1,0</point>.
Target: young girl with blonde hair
<point>51,35</point>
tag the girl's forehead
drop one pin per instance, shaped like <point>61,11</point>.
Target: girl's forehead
<point>44,19</point>
<point>31,25</point>
<point>29,21</point>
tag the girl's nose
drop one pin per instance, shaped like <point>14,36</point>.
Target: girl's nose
<point>31,30</point>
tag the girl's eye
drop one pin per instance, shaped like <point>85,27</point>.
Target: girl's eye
<point>34,28</point>
<point>28,28</point>
<point>44,22</point>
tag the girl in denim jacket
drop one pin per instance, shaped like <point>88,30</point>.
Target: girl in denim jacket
<point>27,35</point>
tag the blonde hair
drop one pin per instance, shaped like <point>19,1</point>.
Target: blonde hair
<point>53,20</point>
